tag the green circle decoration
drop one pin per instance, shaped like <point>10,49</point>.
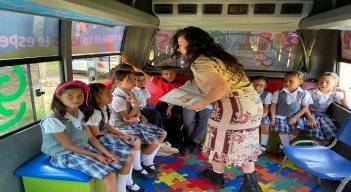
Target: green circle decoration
<point>12,97</point>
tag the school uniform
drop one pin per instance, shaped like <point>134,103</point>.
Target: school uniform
<point>327,129</point>
<point>147,132</point>
<point>60,156</point>
<point>153,116</point>
<point>266,98</point>
<point>110,142</point>
<point>172,124</point>
<point>288,104</point>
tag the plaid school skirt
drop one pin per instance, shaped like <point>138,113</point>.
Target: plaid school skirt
<point>83,163</point>
<point>146,132</point>
<point>117,147</point>
<point>265,120</point>
<point>233,129</point>
<point>326,130</point>
<point>282,125</point>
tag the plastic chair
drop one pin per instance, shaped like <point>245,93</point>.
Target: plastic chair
<point>321,161</point>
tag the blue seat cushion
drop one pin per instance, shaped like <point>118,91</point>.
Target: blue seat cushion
<point>319,161</point>
<point>40,167</point>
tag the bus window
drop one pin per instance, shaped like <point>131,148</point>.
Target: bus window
<point>345,79</point>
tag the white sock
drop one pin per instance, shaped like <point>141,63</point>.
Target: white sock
<point>291,136</point>
<point>122,182</point>
<point>136,163</point>
<point>218,171</point>
<point>264,139</point>
<point>285,139</point>
<point>149,159</point>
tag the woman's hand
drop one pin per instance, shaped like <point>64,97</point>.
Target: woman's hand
<point>197,106</point>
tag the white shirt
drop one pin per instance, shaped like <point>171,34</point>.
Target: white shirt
<point>118,102</point>
<point>54,125</point>
<point>96,118</point>
<point>291,97</point>
<point>142,95</point>
<point>268,99</point>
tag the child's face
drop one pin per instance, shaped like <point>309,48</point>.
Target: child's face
<point>259,85</point>
<point>140,81</point>
<point>104,96</point>
<point>72,98</point>
<point>292,82</point>
<point>127,83</point>
<point>169,75</point>
<point>326,83</point>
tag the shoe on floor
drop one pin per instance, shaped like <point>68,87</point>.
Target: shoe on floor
<point>130,188</point>
<point>151,170</point>
<point>263,150</point>
<point>214,178</point>
<point>148,175</point>
<point>166,149</point>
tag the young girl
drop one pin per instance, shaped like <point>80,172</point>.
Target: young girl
<point>113,139</point>
<point>126,116</point>
<point>321,127</point>
<point>288,105</point>
<point>260,84</point>
<point>72,145</point>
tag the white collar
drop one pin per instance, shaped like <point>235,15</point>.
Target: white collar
<point>299,89</point>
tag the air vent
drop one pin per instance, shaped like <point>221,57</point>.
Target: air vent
<point>237,9</point>
<point>264,8</point>
<point>215,9</point>
<point>291,8</point>
<point>187,8</point>
<point>163,8</point>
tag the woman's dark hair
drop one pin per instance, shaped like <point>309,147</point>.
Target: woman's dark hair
<point>94,90</point>
<point>120,75</point>
<point>60,109</point>
<point>201,43</point>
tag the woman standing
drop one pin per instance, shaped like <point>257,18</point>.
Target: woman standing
<point>233,128</point>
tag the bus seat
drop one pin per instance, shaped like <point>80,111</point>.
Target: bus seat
<point>39,175</point>
<point>322,162</point>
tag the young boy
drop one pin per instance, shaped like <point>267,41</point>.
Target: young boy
<point>172,115</point>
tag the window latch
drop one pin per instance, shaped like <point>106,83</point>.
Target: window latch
<point>39,93</point>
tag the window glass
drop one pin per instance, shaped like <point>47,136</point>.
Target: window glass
<point>346,45</point>
<point>90,38</point>
<point>345,78</point>
<point>95,69</point>
<point>32,36</point>
<point>273,51</point>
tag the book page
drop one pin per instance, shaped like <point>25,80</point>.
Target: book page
<point>191,87</point>
<point>181,97</point>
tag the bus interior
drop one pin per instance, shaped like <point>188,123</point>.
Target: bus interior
<point>44,43</point>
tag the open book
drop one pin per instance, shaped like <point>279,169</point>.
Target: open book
<point>184,95</point>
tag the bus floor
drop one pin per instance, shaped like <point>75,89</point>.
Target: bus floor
<point>182,174</point>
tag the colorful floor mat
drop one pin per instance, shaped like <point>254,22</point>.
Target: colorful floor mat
<point>182,173</point>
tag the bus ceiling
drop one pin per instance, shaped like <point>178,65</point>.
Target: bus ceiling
<point>105,12</point>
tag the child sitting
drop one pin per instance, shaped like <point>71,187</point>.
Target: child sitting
<point>321,127</point>
<point>288,106</point>
<point>126,116</point>
<point>260,84</point>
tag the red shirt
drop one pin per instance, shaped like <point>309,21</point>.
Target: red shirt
<point>163,87</point>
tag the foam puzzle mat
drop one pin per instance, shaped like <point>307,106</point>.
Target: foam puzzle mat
<point>182,173</point>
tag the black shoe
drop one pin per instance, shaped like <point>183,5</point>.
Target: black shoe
<point>196,148</point>
<point>250,183</point>
<point>130,188</point>
<point>148,175</point>
<point>214,178</point>
<point>184,150</point>
<point>148,168</point>
<point>280,148</point>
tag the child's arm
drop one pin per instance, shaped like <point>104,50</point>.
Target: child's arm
<point>120,134</point>
<point>272,112</point>
<point>302,111</point>
<point>64,140</point>
<point>345,100</point>
<point>311,121</point>
<point>95,130</point>
<point>125,61</point>
<point>169,109</point>
<point>96,143</point>
<point>265,110</point>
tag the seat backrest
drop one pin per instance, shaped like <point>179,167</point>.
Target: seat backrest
<point>344,133</point>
